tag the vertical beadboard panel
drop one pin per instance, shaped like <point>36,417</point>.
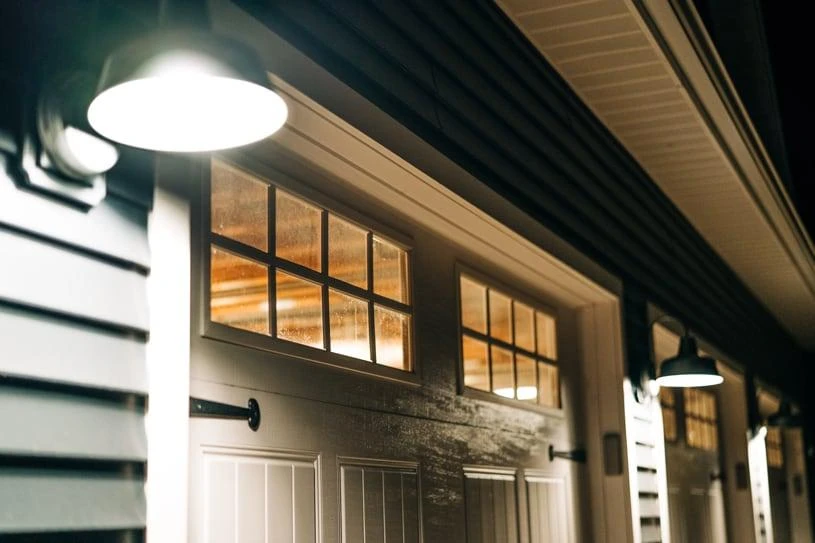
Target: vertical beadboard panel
<point>491,506</point>
<point>279,506</point>
<point>255,496</point>
<point>548,519</point>
<point>379,503</point>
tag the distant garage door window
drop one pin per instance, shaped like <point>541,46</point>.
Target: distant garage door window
<point>775,447</point>
<point>287,268</point>
<point>508,346</point>
<point>701,426</point>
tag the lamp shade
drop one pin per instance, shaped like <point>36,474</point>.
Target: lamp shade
<point>687,368</point>
<point>185,91</point>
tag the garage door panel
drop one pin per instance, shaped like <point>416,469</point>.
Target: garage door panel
<point>254,496</point>
<point>379,503</point>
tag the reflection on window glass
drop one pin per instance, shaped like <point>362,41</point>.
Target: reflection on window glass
<point>548,385</point>
<point>701,429</point>
<point>775,449</point>
<point>390,270</point>
<point>239,295</point>
<point>500,321</point>
<point>392,338</point>
<point>239,206</point>
<point>547,338</point>
<point>349,325</point>
<point>503,380</point>
<point>322,267</point>
<point>476,363</point>
<point>524,327</point>
<point>668,402</point>
<point>504,348</point>
<point>299,310</point>
<point>526,389</point>
<point>298,227</point>
<point>473,305</point>
<point>347,252</point>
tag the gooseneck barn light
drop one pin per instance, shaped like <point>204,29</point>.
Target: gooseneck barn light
<point>185,91</point>
<point>688,368</point>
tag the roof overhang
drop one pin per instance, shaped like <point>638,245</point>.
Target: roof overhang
<point>650,73</point>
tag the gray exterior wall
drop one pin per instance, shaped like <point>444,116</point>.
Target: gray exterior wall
<point>73,327</point>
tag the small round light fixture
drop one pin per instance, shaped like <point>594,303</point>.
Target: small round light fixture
<point>63,136</point>
<point>687,368</point>
<point>185,92</point>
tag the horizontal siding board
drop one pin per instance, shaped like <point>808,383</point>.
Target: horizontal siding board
<point>115,227</point>
<point>50,277</point>
<point>36,346</point>
<point>643,432</point>
<point>47,423</point>
<point>646,457</point>
<point>61,500</point>
<point>647,482</point>
<point>651,534</point>
<point>649,507</point>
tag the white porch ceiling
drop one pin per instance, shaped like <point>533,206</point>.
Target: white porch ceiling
<point>696,145</point>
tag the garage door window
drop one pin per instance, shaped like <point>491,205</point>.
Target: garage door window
<point>508,345</point>
<point>775,447</point>
<point>701,427</point>
<point>285,267</point>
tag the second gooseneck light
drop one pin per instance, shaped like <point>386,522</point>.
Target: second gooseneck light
<point>687,368</point>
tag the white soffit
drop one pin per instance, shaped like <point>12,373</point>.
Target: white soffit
<point>706,158</point>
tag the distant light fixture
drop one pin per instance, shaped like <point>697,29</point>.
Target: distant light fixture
<point>688,369</point>
<point>784,417</point>
<point>185,91</point>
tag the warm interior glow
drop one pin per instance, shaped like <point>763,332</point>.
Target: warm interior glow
<point>690,380</point>
<point>524,392</point>
<point>91,153</point>
<point>187,112</point>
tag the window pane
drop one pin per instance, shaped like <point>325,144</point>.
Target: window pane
<point>503,380</point>
<point>347,252</point>
<point>239,206</point>
<point>297,227</point>
<point>349,325</point>
<point>299,310</point>
<point>527,387</point>
<point>500,321</point>
<point>473,305</point>
<point>238,292</point>
<point>548,385</point>
<point>666,396</point>
<point>669,423</point>
<point>547,338</point>
<point>692,428</point>
<point>476,365</point>
<point>392,338</point>
<point>524,327</point>
<point>390,270</point>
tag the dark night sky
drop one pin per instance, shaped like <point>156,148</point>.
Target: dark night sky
<point>792,52</point>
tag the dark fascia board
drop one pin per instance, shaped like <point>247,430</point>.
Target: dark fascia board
<point>462,78</point>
